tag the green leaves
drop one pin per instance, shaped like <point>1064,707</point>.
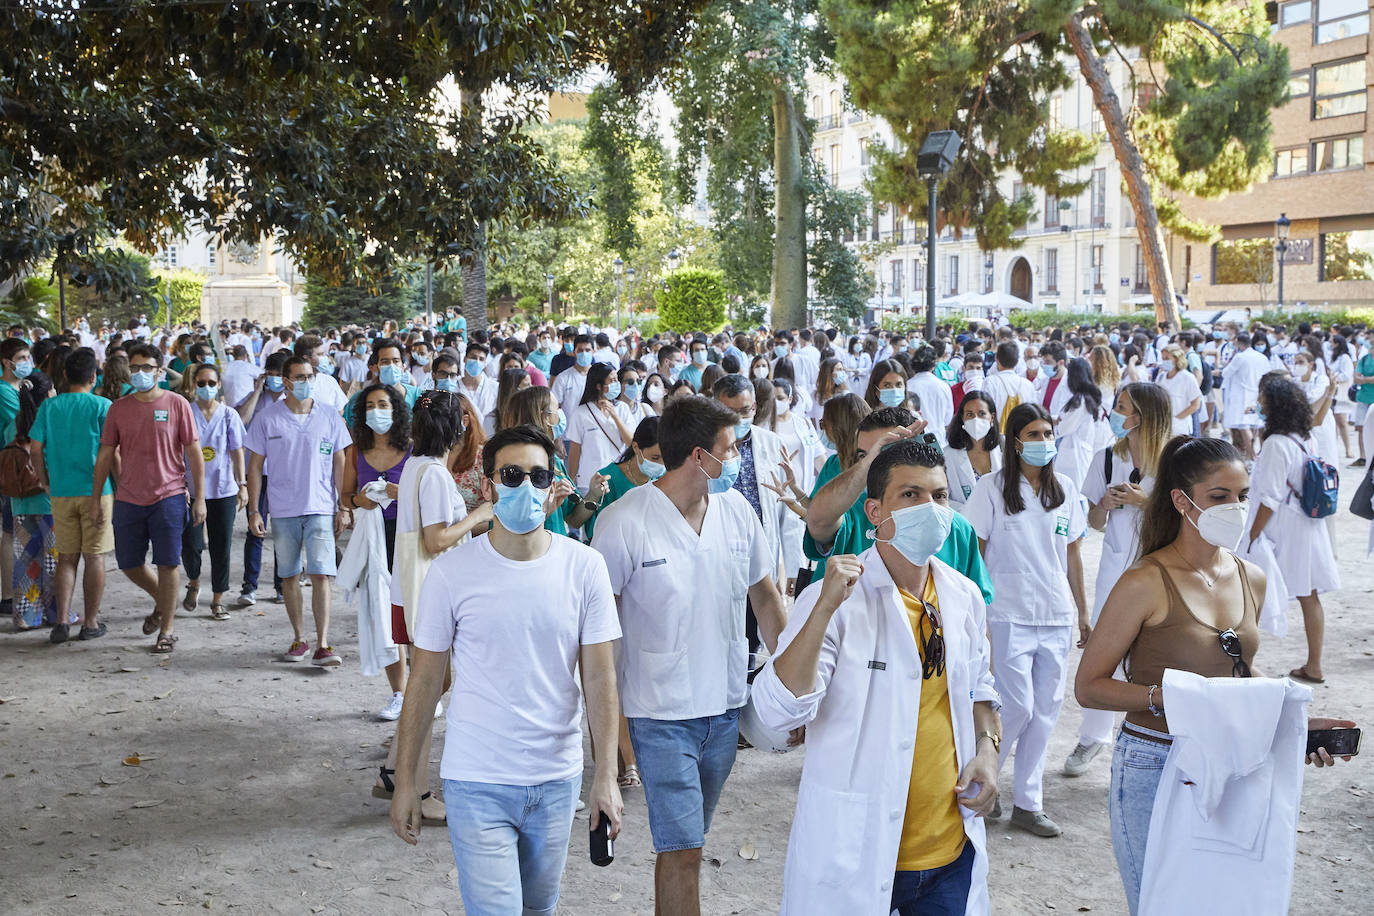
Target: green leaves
<point>694,301</point>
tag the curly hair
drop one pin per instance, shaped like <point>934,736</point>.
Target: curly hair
<point>1286,411</point>
<point>399,434</point>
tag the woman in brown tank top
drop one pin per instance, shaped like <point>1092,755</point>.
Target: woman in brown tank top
<point>1189,604</point>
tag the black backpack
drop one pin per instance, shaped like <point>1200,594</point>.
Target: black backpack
<point>1206,383</point>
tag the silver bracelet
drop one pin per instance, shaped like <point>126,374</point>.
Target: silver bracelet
<point>1150,699</point>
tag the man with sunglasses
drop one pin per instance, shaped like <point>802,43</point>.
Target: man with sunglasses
<point>885,662</point>
<point>512,764</point>
<point>298,443</point>
<point>685,552</point>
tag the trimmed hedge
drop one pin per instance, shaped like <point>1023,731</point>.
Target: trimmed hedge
<point>694,301</point>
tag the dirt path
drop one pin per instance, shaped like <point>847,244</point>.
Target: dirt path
<point>252,793</point>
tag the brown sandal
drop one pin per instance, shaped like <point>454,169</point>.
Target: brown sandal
<point>151,624</point>
<point>217,612</point>
<point>165,644</point>
<point>1300,674</point>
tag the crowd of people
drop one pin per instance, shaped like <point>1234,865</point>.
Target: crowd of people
<point>866,543</point>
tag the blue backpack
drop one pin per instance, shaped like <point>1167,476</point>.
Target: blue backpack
<point>1320,483</point>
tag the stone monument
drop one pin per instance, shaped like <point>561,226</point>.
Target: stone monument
<point>245,287</point>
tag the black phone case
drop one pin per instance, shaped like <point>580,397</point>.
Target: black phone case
<point>1339,742</point>
<point>602,846</point>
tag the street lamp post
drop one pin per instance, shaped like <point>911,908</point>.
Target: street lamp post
<point>617,268</point>
<point>1281,227</point>
<point>672,266</point>
<point>548,282</point>
<point>932,162</point>
<point>630,290</point>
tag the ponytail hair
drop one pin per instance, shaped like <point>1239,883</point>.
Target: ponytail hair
<point>1184,462</point>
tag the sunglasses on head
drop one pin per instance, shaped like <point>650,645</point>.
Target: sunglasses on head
<point>512,476</point>
<point>1230,644</point>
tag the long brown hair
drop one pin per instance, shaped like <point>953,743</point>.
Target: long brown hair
<point>527,407</point>
<point>841,417</point>
<point>1185,461</point>
<point>473,437</point>
<point>1050,493</point>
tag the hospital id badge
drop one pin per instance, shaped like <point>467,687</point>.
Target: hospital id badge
<point>1061,525</point>
<point>326,448</point>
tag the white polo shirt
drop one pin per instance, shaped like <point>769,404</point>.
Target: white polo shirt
<point>682,597</point>
<point>1027,553</point>
<point>515,714</point>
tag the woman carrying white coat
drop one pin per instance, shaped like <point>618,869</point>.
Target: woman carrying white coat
<point>1029,521</point>
<point>900,712</point>
<point>803,446</point>
<point>1301,545</point>
<point>1080,429</point>
<point>975,447</point>
<point>1185,395</point>
<point>1116,489</point>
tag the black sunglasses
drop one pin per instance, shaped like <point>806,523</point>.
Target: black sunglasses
<point>932,646</point>
<point>1230,644</point>
<point>512,476</point>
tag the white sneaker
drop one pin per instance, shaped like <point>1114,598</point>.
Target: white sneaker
<point>392,712</point>
<point>439,709</point>
<point>1077,762</point>
<point>247,599</point>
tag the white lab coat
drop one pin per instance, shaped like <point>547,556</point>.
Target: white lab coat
<point>937,403</point>
<point>1224,828</point>
<point>1062,395</point>
<point>363,571</point>
<point>962,476</point>
<point>768,451</point>
<point>861,728</point>
<point>1240,388</point>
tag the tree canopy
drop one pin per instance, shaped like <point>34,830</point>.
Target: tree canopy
<point>331,126</point>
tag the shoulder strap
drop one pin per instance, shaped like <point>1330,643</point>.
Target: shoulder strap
<point>1107,458</point>
<point>1251,602</point>
<point>1175,598</point>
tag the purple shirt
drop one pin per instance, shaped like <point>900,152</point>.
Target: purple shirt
<point>298,452</point>
<point>219,436</point>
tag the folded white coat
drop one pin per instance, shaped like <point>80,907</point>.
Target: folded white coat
<point>363,570</point>
<point>1223,832</point>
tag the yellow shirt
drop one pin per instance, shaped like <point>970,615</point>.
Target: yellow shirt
<point>933,832</point>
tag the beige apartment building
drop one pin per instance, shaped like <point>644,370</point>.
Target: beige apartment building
<point>1322,180</point>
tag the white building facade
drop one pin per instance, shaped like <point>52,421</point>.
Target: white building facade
<point>1079,254</point>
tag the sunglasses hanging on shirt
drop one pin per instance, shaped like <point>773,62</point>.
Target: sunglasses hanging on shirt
<point>1230,644</point>
<point>932,645</point>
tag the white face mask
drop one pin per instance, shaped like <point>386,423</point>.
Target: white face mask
<point>655,393</point>
<point>977,428</point>
<point>1222,525</point>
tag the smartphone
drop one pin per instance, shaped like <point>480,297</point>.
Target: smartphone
<point>1339,742</point>
<point>602,846</point>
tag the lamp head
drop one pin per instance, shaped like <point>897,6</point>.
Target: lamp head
<point>937,153</point>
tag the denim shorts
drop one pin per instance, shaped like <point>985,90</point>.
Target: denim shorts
<point>304,541</point>
<point>684,764</point>
<point>510,843</point>
<point>1137,765</point>
<point>160,524</point>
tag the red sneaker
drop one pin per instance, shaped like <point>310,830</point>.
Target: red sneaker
<point>325,658</point>
<point>297,651</point>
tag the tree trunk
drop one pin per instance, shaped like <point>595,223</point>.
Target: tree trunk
<point>789,227</point>
<point>1132,169</point>
<point>475,273</point>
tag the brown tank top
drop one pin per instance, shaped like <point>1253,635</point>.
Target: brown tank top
<point>1184,643</point>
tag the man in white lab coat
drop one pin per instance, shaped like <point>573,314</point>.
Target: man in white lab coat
<point>1240,394</point>
<point>886,663</point>
<point>1052,382</point>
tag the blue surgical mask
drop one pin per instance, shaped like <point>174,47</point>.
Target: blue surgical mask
<point>584,359</point>
<point>780,351</point>
<point>567,348</point>
<point>699,358</point>
<point>447,384</point>
<point>520,509</point>
<point>561,426</point>
<point>392,374</point>
<point>729,472</point>
<point>473,368</point>
<point>360,349</point>
<point>142,381</point>
<point>633,391</point>
<point>891,397</point>
<point>622,350</point>
<point>840,378</point>
<point>651,469</point>
<point>825,441</point>
<point>24,368</point>
<point>207,392</point>
<point>918,531</point>
<point>421,360</point>
<point>326,365</point>
<point>275,384</point>
<point>743,428</point>
<point>1118,423</point>
<point>379,421</point>
<point>613,390</point>
<point>1038,454</point>
<point>303,391</point>
<point>1114,337</point>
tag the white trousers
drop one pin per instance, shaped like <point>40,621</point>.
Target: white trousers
<point>1029,664</point>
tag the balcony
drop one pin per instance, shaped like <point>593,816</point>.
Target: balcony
<point>830,122</point>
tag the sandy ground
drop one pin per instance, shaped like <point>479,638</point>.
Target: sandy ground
<point>253,792</point>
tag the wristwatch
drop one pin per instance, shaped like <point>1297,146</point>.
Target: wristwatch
<point>996,741</point>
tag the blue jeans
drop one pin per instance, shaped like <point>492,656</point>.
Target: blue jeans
<point>1137,765</point>
<point>684,763</point>
<point>252,551</point>
<point>939,891</point>
<point>510,844</point>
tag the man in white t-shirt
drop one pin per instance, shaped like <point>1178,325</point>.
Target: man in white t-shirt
<point>512,764</point>
<point>684,554</point>
<point>1005,387</point>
